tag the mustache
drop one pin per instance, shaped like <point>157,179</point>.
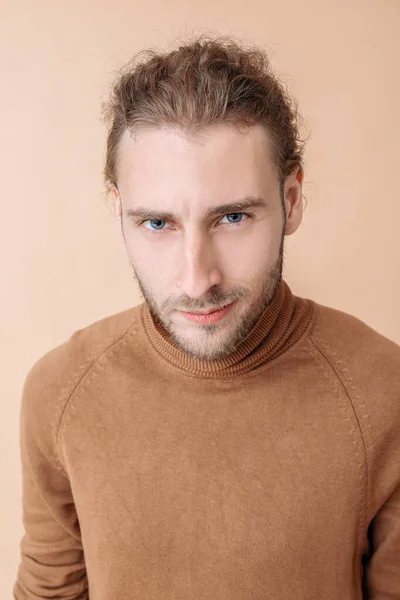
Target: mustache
<point>213,301</point>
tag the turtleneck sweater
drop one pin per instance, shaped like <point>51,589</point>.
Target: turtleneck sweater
<point>271,473</point>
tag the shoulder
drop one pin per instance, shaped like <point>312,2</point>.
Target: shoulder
<point>348,338</point>
<point>368,366</point>
<point>85,346</point>
<point>55,376</point>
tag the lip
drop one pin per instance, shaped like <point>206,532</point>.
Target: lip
<point>212,317</point>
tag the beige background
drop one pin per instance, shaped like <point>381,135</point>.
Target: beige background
<point>62,263</point>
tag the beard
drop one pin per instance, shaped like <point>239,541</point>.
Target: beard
<point>210,344</point>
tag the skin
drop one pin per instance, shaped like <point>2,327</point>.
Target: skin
<point>194,262</point>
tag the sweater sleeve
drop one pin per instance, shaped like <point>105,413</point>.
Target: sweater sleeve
<point>382,575</point>
<point>52,560</point>
<point>382,567</point>
<point>368,365</point>
<point>380,420</point>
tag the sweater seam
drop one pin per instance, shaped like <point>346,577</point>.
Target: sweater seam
<point>318,345</point>
<point>86,370</point>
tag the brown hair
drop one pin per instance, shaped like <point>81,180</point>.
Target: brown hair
<point>205,82</point>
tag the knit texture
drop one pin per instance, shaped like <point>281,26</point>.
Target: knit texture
<point>272,473</point>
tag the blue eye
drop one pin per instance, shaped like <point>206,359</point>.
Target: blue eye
<point>155,221</point>
<point>235,215</point>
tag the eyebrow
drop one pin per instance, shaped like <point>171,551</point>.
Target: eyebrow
<point>214,211</point>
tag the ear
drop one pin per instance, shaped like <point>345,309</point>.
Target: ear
<point>293,200</point>
<point>117,201</point>
<point>118,207</point>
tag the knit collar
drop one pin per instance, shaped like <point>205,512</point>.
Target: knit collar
<point>281,324</point>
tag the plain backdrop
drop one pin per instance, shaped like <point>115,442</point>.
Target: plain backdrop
<point>62,263</point>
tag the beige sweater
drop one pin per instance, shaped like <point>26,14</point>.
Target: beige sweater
<point>272,474</point>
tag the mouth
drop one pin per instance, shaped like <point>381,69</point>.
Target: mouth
<point>212,316</point>
<point>207,312</point>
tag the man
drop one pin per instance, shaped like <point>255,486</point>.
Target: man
<point>224,439</point>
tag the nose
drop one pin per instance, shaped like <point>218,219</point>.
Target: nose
<point>198,268</point>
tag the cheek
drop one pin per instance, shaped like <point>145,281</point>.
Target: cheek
<point>251,253</point>
<point>149,256</point>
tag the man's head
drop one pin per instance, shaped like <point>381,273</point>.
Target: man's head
<point>205,164</point>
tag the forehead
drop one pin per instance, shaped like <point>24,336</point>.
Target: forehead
<point>217,163</point>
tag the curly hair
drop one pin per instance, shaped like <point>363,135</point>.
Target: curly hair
<point>204,82</point>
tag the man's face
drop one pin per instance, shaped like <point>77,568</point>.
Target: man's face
<point>192,261</point>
